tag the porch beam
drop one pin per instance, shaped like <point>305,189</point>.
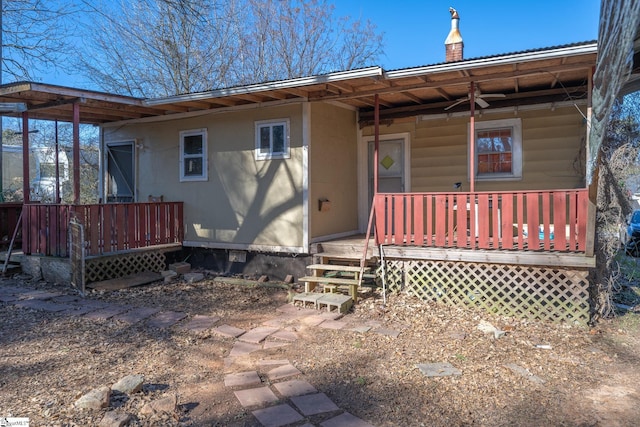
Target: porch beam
<point>555,259</point>
<point>56,103</point>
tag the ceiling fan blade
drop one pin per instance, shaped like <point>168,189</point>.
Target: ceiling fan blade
<point>458,102</point>
<point>482,103</point>
<point>493,95</point>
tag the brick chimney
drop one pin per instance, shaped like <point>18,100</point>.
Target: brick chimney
<point>453,44</point>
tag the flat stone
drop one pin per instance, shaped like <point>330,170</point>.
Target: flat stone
<point>267,362</point>
<point>331,315</point>
<point>361,328</point>
<point>274,344</point>
<point>283,372</point>
<point>96,399</point>
<point>314,320</point>
<point>243,348</point>
<point>8,298</point>
<point>193,277</point>
<point>457,335</point>
<point>67,298</point>
<point>166,319</point>
<point>255,396</point>
<point>106,312</point>
<point>200,323</point>
<point>164,405</point>
<point>277,416</point>
<point>136,315</point>
<point>285,336</point>
<point>294,388</point>
<point>228,331</point>
<point>129,384</point>
<point>280,321</point>
<point>295,311</point>
<point>387,332</point>
<point>35,294</point>
<point>115,419</point>
<point>313,404</point>
<point>242,379</point>
<point>79,310</point>
<point>345,420</point>
<point>443,369</point>
<point>333,324</point>
<point>38,304</point>
<point>257,335</point>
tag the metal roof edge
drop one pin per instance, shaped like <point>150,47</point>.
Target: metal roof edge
<point>260,87</point>
<point>495,60</point>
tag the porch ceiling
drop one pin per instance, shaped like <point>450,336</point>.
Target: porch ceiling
<point>537,76</point>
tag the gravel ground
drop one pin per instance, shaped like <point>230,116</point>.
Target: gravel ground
<point>580,377</point>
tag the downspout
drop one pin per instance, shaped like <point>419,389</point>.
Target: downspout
<point>472,138</point>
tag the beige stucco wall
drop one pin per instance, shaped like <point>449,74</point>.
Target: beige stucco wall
<point>245,202</point>
<point>552,151</point>
<point>333,170</point>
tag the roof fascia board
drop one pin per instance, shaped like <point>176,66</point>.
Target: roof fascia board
<point>590,48</point>
<point>198,113</point>
<point>262,87</point>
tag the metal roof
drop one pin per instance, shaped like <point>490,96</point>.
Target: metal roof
<point>545,75</point>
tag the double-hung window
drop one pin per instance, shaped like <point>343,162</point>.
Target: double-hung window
<point>498,151</point>
<point>193,155</point>
<point>272,139</point>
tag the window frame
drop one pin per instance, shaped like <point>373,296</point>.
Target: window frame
<point>286,152</point>
<point>515,125</point>
<point>205,169</point>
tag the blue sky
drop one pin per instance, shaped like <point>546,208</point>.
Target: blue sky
<point>415,30</point>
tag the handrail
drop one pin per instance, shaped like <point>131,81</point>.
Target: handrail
<point>524,220</point>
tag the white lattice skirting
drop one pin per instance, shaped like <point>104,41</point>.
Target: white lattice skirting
<point>544,293</point>
<point>120,265</point>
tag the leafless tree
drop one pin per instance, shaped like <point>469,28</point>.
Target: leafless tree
<point>35,35</point>
<point>167,47</point>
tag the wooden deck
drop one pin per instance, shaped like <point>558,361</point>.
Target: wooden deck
<point>352,247</point>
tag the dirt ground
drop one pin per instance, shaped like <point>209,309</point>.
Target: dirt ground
<point>581,376</point>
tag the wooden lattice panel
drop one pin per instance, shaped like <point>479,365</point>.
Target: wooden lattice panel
<point>114,266</point>
<point>543,293</point>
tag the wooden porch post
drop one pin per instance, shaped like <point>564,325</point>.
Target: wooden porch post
<point>376,126</point>
<point>76,153</point>
<point>472,138</point>
<point>26,192</point>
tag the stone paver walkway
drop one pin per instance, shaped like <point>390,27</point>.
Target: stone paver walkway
<point>287,398</point>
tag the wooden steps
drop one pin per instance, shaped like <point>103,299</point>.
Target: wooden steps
<point>331,277</point>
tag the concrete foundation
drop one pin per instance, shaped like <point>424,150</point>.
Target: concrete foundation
<point>275,266</point>
<point>51,269</point>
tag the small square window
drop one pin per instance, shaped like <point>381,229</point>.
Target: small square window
<point>193,155</point>
<point>498,153</point>
<point>272,139</point>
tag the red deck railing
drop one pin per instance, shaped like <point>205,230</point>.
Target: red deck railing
<point>108,227</point>
<point>9,215</point>
<point>554,220</point>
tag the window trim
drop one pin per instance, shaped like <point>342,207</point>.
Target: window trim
<point>516,151</point>
<point>205,169</point>
<point>286,153</point>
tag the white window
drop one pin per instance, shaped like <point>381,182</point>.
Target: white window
<point>272,139</point>
<point>193,155</point>
<point>498,153</point>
